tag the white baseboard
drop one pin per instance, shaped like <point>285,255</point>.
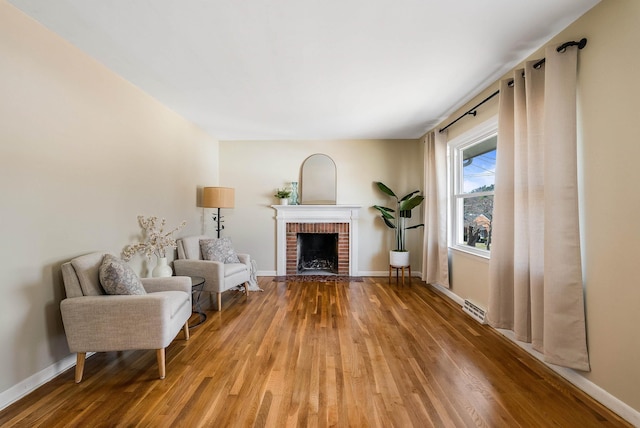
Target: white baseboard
<point>606,399</point>
<point>373,273</point>
<point>266,273</point>
<point>450,294</point>
<point>414,274</point>
<point>361,273</point>
<point>36,380</point>
<point>597,393</point>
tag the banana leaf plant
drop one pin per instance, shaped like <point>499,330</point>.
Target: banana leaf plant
<point>403,209</point>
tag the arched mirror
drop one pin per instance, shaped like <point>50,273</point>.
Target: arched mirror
<point>318,180</point>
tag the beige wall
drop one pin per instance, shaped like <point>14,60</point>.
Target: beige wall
<point>82,153</point>
<point>256,169</point>
<point>608,95</point>
<point>469,276</point>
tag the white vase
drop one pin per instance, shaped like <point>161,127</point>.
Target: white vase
<point>162,268</point>
<point>284,201</point>
<point>399,258</point>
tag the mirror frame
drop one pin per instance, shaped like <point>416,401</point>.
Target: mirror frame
<point>318,181</point>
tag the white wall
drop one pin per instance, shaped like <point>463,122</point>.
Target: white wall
<point>82,153</point>
<point>256,169</point>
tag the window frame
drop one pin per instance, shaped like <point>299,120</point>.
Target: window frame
<point>455,148</point>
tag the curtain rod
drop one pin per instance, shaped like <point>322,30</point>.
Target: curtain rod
<point>472,111</point>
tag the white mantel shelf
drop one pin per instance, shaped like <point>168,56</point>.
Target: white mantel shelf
<point>316,214</point>
<point>319,213</point>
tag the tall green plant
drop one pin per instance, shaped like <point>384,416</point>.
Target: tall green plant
<point>404,206</point>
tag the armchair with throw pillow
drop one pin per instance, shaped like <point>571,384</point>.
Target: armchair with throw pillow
<point>216,261</point>
<point>108,308</point>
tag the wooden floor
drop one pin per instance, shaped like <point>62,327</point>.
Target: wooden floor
<point>359,354</point>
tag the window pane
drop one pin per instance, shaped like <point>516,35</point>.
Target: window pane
<point>471,183</point>
<point>477,215</point>
<point>479,166</point>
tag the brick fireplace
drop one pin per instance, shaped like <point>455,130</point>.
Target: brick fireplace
<point>292,247</point>
<point>325,219</point>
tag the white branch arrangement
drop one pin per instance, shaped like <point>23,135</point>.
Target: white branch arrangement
<point>157,240</point>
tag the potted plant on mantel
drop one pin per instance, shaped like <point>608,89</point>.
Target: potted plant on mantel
<point>283,195</point>
<point>400,256</point>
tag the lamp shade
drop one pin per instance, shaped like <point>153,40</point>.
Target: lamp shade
<point>218,197</point>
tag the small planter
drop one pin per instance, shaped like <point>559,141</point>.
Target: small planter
<point>399,258</point>
<point>283,195</point>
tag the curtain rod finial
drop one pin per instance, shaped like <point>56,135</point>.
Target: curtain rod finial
<point>581,44</point>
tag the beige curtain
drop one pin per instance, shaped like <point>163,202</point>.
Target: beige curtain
<point>435,261</point>
<point>535,269</point>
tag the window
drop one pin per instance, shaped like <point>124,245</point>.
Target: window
<point>472,181</point>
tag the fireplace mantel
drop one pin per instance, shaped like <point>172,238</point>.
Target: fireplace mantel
<point>315,214</point>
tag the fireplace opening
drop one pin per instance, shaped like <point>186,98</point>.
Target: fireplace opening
<point>317,254</point>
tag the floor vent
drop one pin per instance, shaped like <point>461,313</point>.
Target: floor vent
<point>475,311</point>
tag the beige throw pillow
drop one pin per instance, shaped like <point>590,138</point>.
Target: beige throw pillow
<point>219,250</point>
<point>117,277</point>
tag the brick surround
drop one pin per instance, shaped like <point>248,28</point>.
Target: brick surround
<point>335,219</point>
<point>292,230</point>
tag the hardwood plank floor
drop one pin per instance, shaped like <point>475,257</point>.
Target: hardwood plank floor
<point>361,354</point>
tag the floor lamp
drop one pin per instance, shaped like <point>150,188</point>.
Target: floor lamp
<point>218,197</point>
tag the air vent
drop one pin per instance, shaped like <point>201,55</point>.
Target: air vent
<point>475,311</point>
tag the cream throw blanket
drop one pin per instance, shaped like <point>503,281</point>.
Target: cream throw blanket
<point>253,279</point>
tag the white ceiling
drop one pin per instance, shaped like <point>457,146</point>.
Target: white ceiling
<point>309,69</point>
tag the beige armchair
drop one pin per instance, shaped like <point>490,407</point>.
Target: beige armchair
<point>97,322</point>
<point>219,277</point>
